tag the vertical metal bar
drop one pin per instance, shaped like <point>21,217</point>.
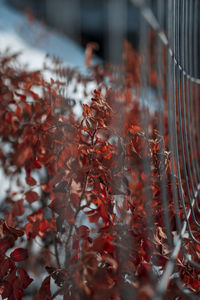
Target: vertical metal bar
<point>117,17</point>
<point>196,63</point>
<point>183,75</point>
<point>116,29</point>
<point>162,285</point>
<point>191,201</point>
<point>184,96</point>
<point>180,106</point>
<point>193,17</point>
<point>190,102</point>
<point>186,113</point>
<point>144,95</point>
<point>161,107</point>
<point>176,145</point>
<point>170,90</point>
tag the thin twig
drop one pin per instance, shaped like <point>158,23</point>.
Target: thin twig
<point>75,216</point>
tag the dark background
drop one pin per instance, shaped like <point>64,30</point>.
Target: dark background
<point>106,22</point>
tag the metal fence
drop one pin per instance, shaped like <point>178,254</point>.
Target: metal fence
<point>171,29</point>
<point>175,24</point>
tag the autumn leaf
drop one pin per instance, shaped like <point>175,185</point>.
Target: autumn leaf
<point>19,254</point>
<point>18,208</point>
<point>31,181</point>
<point>83,231</point>
<point>44,292</point>
<point>25,280</point>
<point>23,155</point>
<point>31,196</point>
<point>6,243</point>
<point>4,268</point>
<point>135,129</point>
<point>94,218</point>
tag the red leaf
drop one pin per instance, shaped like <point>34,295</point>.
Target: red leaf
<point>37,164</point>
<point>159,260</point>
<point>18,208</point>
<point>103,212</point>
<point>68,214</point>
<point>32,229</point>
<point>28,229</point>
<point>7,291</point>
<point>19,254</point>
<point>94,218</point>
<point>44,292</point>
<point>4,268</point>
<point>12,231</point>
<point>34,95</point>
<point>86,110</point>
<point>45,159</point>
<point>22,97</point>
<point>37,215</point>
<point>25,280</point>
<point>57,205</point>
<point>44,225</point>
<point>22,156</point>
<point>102,244</point>
<point>144,271</point>
<point>83,231</point>
<point>32,196</point>
<point>6,243</point>
<point>135,129</point>
<point>11,288</point>
<point>89,52</point>
<point>31,181</point>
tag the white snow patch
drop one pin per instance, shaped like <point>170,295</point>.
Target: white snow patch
<point>35,40</point>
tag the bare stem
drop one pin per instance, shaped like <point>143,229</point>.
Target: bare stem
<point>75,216</point>
<point>56,252</point>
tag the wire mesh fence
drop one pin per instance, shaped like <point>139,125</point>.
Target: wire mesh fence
<point>122,178</point>
<point>176,29</point>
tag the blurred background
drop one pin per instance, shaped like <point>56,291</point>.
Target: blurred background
<point>83,21</point>
<point>106,22</point>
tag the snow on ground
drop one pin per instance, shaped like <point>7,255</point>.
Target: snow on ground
<point>35,40</point>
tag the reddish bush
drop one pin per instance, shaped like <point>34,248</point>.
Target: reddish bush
<point>88,209</point>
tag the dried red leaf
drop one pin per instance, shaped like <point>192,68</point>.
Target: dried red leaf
<point>18,208</point>
<point>25,280</point>
<point>89,52</point>
<point>4,268</point>
<point>83,231</point>
<point>31,196</point>
<point>44,292</point>
<point>135,129</point>
<point>103,244</point>
<point>44,225</point>
<point>23,155</point>
<point>68,213</point>
<point>31,181</point>
<point>19,254</point>
<point>12,231</point>
<point>6,243</point>
<point>34,95</point>
<point>94,218</point>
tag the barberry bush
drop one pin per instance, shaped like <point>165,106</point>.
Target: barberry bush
<point>82,217</point>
